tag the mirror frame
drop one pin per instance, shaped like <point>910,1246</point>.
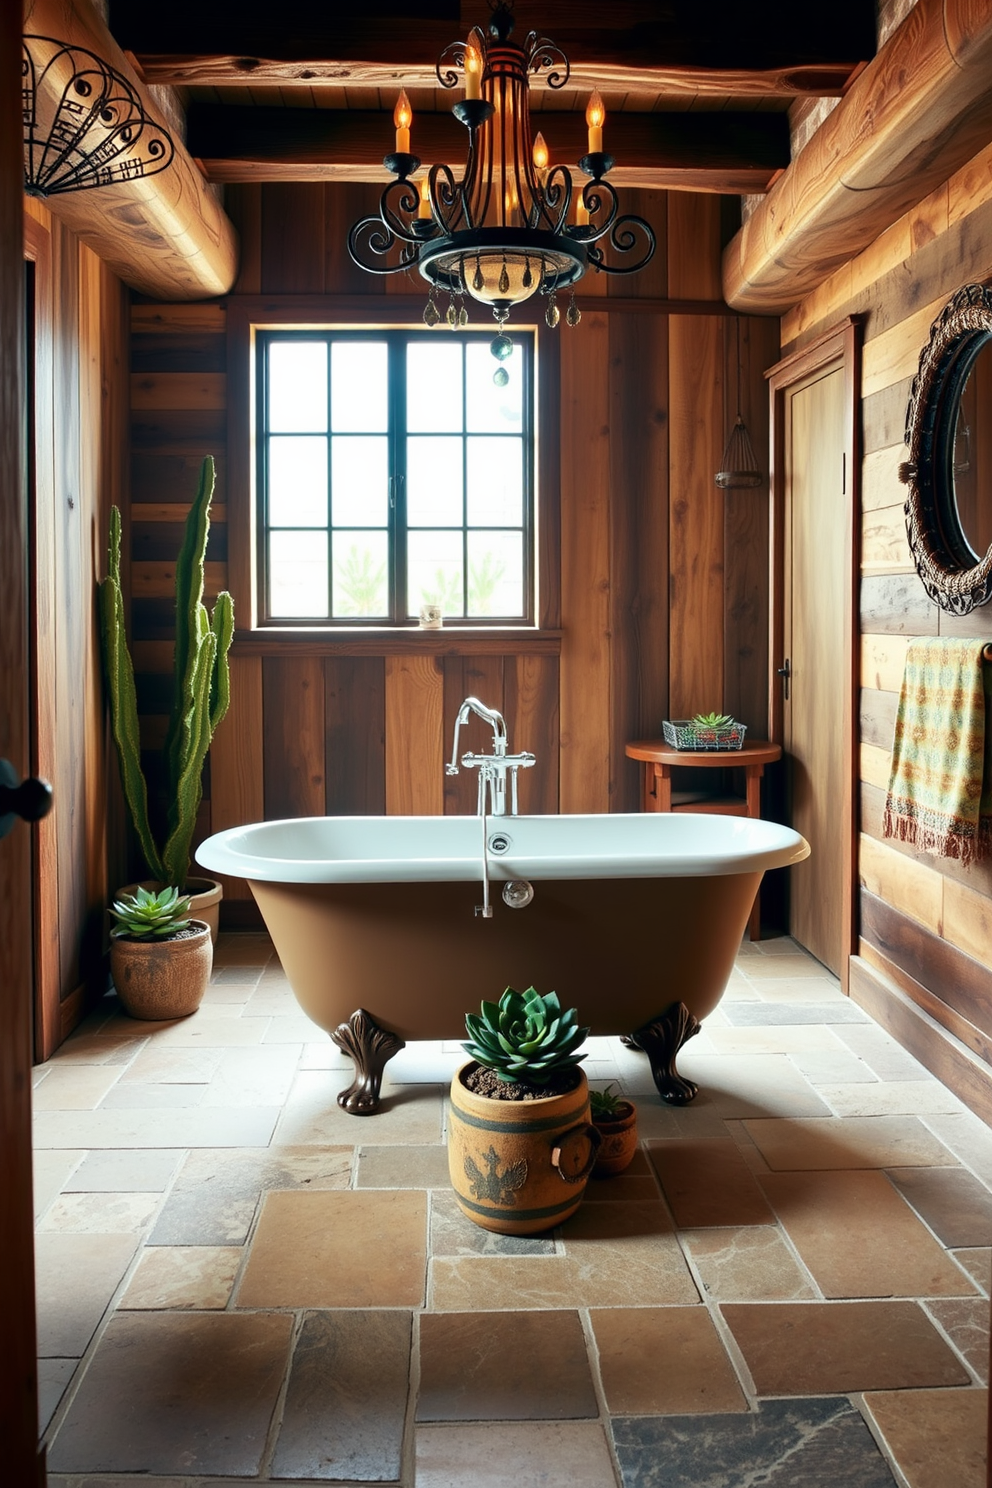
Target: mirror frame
<point>936,539</point>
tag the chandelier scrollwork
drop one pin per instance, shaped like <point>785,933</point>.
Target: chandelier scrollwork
<point>505,231</point>
<point>84,123</point>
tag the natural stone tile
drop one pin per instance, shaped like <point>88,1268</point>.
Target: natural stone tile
<point>232,974</point>
<point>403,1167</point>
<point>290,1028</point>
<point>408,1114</point>
<point>190,1277</point>
<point>157,1066</point>
<point>663,1361</point>
<point>76,1276</point>
<point>890,1098</point>
<point>187,1127</point>
<point>858,1238</point>
<point>253,1077</point>
<point>968,1138</point>
<point>785,1039</point>
<point>556,1455</point>
<point>100,1213</point>
<point>782,1443</point>
<point>800,989</point>
<point>504,1366</point>
<point>708,1183</point>
<point>882,1054</point>
<point>248,947</point>
<point>965,1320</point>
<point>90,1048</point>
<point>777,945</point>
<point>346,1402</point>
<point>978,1264</point>
<point>53,1377</point>
<point>216,1193</point>
<point>325,1249</point>
<point>952,1201</point>
<point>323,1055</point>
<point>52,1172</point>
<point>424,1062</point>
<point>763,966</point>
<point>169,1392</point>
<point>937,1437</point>
<point>452,1234</point>
<point>74,1087</point>
<point>656,1119</point>
<point>134,1097</point>
<point>834,1348</point>
<point>206,1029</point>
<point>781,1014</point>
<point>751,1264</point>
<point>734,1086</point>
<point>635,1182</point>
<point>833,1067</point>
<point>854,1142</point>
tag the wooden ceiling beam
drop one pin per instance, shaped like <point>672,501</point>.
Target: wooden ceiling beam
<point>680,47</point>
<point>699,151</point>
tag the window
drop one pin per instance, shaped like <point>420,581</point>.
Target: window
<point>394,473</point>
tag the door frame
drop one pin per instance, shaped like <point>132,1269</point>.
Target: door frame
<point>838,347</point>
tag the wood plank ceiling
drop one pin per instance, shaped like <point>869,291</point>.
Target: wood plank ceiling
<point>697,96</point>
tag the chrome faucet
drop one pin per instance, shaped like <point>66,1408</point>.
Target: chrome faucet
<point>493,768</point>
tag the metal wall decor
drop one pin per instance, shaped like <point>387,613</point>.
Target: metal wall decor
<point>84,124</point>
<point>502,233</point>
<point>956,576</point>
<point>739,467</point>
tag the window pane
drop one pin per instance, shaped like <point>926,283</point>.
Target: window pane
<point>297,575</point>
<point>359,387</point>
<point>495,573</point>
<point>298,386</point>
<point>489,409</point>
<point>360,482</point>
<point>434,482</point>
<point>297,482</point>
<point>495,482</point>
<point>434,387</point>
<point>361,574</point>
<point>434,564</point>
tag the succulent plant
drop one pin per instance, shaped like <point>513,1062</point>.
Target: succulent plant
<point>148,916</point>
<point>713,720</point>
<point>605,1104</point>
<point>525,1037</point>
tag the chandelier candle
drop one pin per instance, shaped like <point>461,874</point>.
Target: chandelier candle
<point>503,232</point>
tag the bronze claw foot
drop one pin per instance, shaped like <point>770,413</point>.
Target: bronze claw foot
<point>661,1039</point>
<point>370,1047</point>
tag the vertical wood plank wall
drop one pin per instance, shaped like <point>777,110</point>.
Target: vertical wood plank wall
<point>663,578</point>
<point>81,418</point>
<point>926,922</point>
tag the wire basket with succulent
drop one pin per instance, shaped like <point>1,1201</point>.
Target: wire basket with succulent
<point>704,731</point>
<point>520,1142</point>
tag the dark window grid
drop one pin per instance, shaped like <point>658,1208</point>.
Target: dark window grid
<point>398,437</point>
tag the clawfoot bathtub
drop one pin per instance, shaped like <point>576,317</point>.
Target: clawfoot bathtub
<point>634,920</point>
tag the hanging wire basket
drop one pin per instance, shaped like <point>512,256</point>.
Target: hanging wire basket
<point>739,468</point>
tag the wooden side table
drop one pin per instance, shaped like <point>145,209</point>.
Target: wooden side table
<point>659,759</point>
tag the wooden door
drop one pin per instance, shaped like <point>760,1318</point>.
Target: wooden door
<point>21,1462</point>
<point>813,708</point>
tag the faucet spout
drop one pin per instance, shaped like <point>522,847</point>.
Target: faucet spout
<point>488,715</point>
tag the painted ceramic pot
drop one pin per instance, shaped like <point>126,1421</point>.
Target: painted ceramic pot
<point>520,1167</point>
<point>619,1141</point>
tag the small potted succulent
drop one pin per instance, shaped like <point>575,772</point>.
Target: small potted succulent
<point>616,1121</point>
<point>520,1142</point>
<point>160,959</point>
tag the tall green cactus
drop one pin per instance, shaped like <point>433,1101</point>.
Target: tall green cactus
<point>201,688</point>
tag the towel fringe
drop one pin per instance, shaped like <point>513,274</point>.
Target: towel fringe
<point>931,832</point>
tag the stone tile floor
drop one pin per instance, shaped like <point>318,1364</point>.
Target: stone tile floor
<point>240,1283</point>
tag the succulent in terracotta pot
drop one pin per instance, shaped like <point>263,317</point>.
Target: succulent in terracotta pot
<point>520,1142</point>
<point>616,1120</point>
<point>160,959</point>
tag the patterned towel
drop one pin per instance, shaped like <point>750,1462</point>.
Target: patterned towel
<point>940,785</point>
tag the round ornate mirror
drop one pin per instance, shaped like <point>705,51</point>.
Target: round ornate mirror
<point>949,471</point>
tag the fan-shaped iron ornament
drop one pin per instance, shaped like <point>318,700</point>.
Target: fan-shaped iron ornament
<point>84,124</point>
<point>503,232</point>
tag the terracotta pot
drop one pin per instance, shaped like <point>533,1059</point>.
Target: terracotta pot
<point>205,895</point>
<point>519,1167</point>
<point>619,1141</point>
<point>162,979</point>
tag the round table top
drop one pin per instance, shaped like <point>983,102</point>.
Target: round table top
<point>656,751</point>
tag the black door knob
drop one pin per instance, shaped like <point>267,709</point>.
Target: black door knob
<point>29,799</point>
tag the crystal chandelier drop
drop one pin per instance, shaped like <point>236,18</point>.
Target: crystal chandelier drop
<point>503,232</point>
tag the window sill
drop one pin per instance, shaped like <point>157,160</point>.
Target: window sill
<point>452,640</point>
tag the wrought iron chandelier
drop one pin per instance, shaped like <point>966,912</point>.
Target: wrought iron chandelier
<point>502,233</point>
